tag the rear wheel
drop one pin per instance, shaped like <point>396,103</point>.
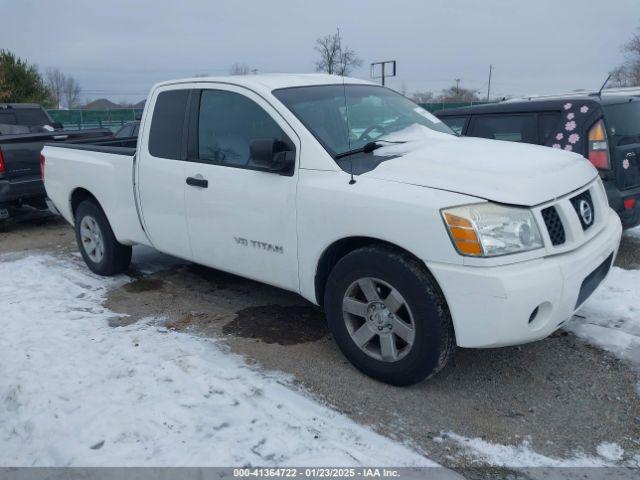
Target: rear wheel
<point>388,315</point>
<point>102,253</point>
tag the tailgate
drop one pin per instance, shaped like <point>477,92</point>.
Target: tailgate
<point>21,159</point>
<point>623,131</point>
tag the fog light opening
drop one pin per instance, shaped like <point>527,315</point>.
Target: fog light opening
<point>534,314</point>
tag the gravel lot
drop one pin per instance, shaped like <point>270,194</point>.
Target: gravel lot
<point>561,394</point>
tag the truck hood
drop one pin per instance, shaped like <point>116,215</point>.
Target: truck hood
<point>505,172</point>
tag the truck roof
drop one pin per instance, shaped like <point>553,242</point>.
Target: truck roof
<point>272,81</point>
<point>19,105</point>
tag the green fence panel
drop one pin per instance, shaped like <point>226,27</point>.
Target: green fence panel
<point>79,119</point>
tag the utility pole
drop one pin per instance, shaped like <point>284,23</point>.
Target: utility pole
<point>489,86</point>
<point>457,80</point>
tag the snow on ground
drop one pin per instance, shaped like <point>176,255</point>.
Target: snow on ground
<point>521,456</point>
<point>632,232</point>
<point>74,391</point>
<point>612,316</point>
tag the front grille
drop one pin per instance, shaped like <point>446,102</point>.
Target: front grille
<point>554,225</point>
<point>583,205</point>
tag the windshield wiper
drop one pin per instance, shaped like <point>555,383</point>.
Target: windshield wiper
<point>366,148</point>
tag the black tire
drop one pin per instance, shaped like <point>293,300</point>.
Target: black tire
<point>116,257</point>
<point>434,341</point>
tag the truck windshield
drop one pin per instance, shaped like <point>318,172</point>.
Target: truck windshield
<point>345,118</point>
<point>623,119</point>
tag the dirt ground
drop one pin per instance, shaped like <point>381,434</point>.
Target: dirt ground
<point>561,394</point>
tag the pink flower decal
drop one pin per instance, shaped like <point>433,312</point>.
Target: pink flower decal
<point>556,145</point>
<point>567,106</point>
<point>571,116</point>
<point>568,148</point>
<point>570,126</point>
<point>573,138</point>
<point>584,109</point>
<point>560,136</point>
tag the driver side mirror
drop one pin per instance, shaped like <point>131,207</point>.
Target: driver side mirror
<point>272,155</point>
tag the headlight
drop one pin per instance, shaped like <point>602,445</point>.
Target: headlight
<point>489,229</point>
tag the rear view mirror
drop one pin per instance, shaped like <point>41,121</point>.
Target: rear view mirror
<point>272,155</point>
<point>57,125</point>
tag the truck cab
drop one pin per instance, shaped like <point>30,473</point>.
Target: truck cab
<point>411,239</point>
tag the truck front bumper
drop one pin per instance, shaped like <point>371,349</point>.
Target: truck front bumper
<point>14,191</point>
<point>525,301</point>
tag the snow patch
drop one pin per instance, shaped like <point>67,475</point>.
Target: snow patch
<point>76,392</point>
<point>612,316</point>
<point>611,451</point>
<point>632,232</point>
<point>522,456</point>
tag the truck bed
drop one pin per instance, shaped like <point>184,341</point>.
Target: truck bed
<point>103,168</point>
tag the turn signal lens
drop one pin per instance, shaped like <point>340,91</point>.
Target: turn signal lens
<point>597,133</point>
<point>598,146</point>
<point>463,235</point>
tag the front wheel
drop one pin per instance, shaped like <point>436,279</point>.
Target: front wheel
<point>388,315</point>
<point>102,253</point>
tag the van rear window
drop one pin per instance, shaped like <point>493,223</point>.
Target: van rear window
<point>623,119</point>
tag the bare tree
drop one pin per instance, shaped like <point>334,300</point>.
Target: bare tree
<point>64,89</point>
<point>423,97</point>
<point>239,69</point>
<point>335,58</point>
<point>628,74</point>
<point>455,94</point>
<point>55,80</point>
<point>71,92</point>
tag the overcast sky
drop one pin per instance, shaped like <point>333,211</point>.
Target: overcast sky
<point>118,49</point>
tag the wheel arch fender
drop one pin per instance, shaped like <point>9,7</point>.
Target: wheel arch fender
<point>335,251</point>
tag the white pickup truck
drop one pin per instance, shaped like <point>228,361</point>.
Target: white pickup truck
<point>411,239</point>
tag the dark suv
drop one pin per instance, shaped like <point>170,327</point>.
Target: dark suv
<point>604,129</point>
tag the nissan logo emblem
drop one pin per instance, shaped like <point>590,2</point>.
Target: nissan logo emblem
<point>586,212</point>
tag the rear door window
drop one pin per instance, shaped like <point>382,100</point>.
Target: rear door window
<point>510,128</point>
<point>456,123</point>
<point>548,123</point>
<point>167,125</point>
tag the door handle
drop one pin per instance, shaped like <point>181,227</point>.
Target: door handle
<point>197,182</point>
